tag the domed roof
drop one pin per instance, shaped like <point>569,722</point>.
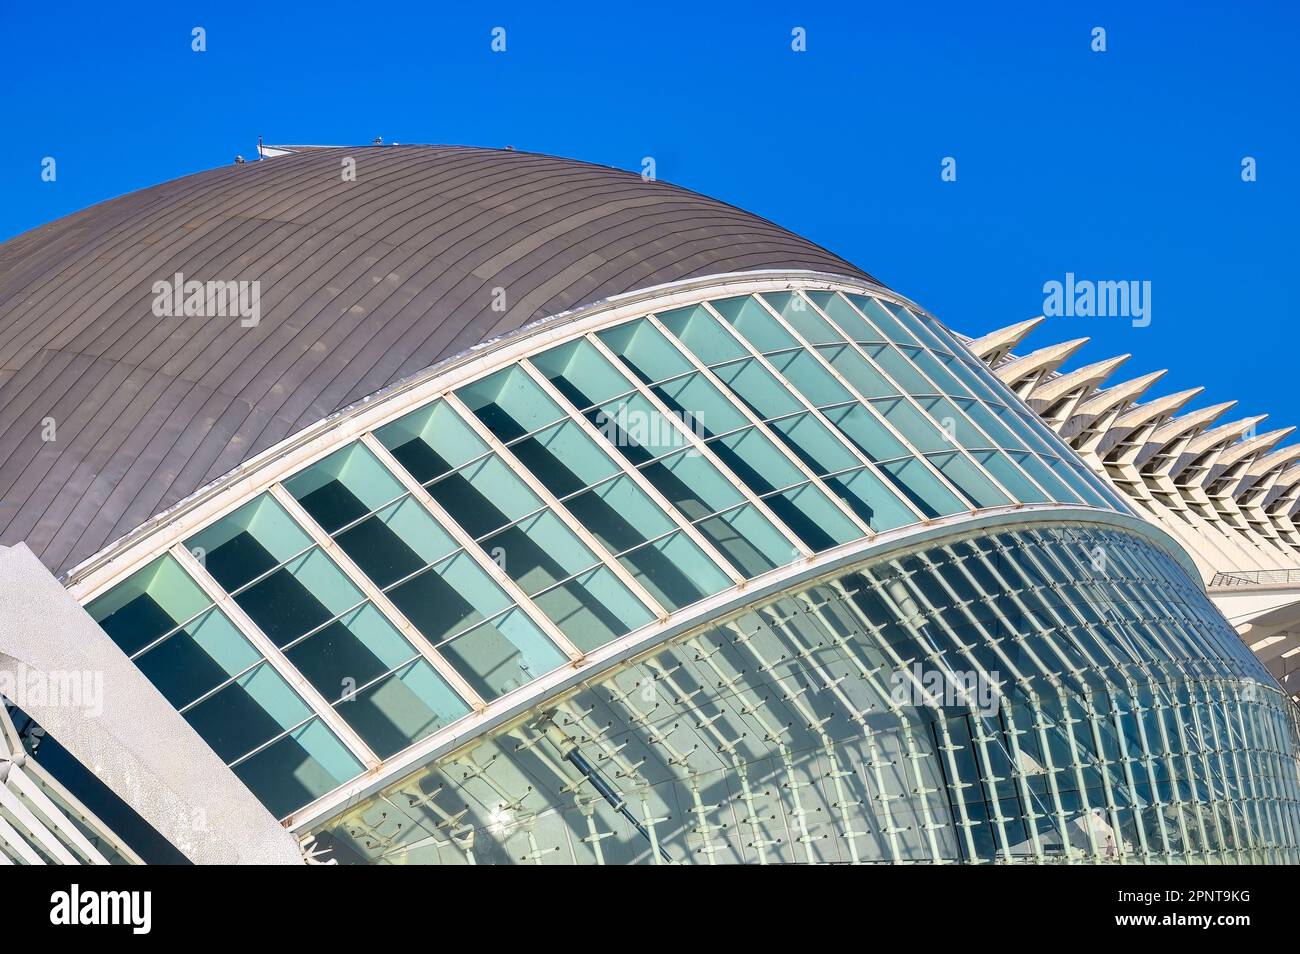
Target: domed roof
<point>362,283</point>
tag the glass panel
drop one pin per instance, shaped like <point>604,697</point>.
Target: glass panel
<point>845,317</point>
<point>871,500</point>
<point>639,430</point>
<point>914,427</point>
<point>641,347</point>
<point>619,514</point>
<point>564,458</point>
<point>813,443</point>
<point>922,488</point>
<point>510,404</point>
<point>974,485</point>
<point>485,495</point>
<point>885,320</point>
<point>343,487</point>
<point>867,433</point>
<point>304,593</point>
<point>539,551</point>
<point>502,655</point>
<point>761,392</point>
<point>692,484</point>
<point>298,768</point>
<point>900,369</point>
<point>252,710</point>
<point>450,597</point>
<point>747,315</point>
<point>581,374</point>
<point>255,538</point>
<point>354,650</point>
<point>198,658</point>
<point>1009,476</point>
<point>402,708</point>
<point>858,371</point>
<point>701,333</point>
<point>697,401</point>
<point>752,457</point>
<point>593,608</point>
<point>801,316</point>
<point>150,603</point>
<point>748,540</point>
<point>431,441</point>
<point>818,386</point>
<point>813,518</point>
<point>675,571</point>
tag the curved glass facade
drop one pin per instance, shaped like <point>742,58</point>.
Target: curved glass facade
<point>439,561</point>
<point>1051,694</point>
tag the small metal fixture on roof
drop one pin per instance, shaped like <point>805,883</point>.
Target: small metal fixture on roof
<point>379,140</point>
<point>239,160</point>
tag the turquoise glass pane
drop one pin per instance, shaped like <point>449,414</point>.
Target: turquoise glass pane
<point>748,316</point>
<point>593,608</point>
<point>246,544</point>
<point>871,499</point>
<point>647,353</point>
<point>510,404</point>
<point>700,332</point>
<point>581,374</point>
<point>801,316</point>
<point>502,655</point>
<point>402,708</point>
<point>150,603</point>
<point>675,571</point>
<point>431,441</point>
<point>197,658</point>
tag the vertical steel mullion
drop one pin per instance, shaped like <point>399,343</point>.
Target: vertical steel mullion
<point>1221,805</point>
<point>1148,760</point>
<point>797,545</point>
<point>308,693</point>
<point>472,549</point>
<point>981,739</point>
<point>1139,821</point>
<point>757,422</point>
<point>638,478</point>
<point>378,598</point>
<point>561,512</point>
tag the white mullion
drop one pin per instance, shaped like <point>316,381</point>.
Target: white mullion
<point>381,602</point>
<point>558,509</point>
<point>472,549</point>
<point>797,545</point>
<point>993,444</point>
<point>274,657</point>
<point>817,412</point>
<point>903,393</point>
<point>758,422</point>
<point>635,475</point>
<point>859,399</point>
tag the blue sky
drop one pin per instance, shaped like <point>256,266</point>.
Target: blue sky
<point>1117,165</point>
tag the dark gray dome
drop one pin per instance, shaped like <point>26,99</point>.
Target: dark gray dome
<point>362,283</point>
